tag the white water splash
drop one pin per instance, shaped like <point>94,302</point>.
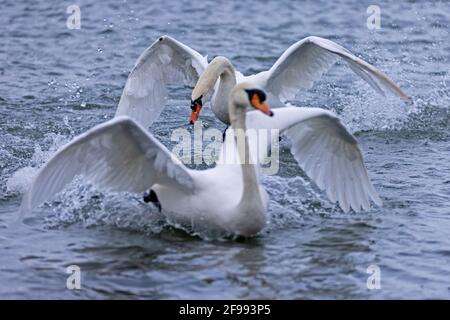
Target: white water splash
<point>372,112</point>
<point>22,178</point>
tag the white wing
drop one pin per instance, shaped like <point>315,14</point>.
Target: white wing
<point>325,150</point>
<point>305,62</point>
<point>117,155</point>
<point>165,62</point>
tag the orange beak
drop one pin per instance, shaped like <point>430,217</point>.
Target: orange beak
<point>262,106</point>
<point>195,113</point>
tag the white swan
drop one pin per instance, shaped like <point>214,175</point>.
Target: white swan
<point>120,155</point>
<point>168,61</point>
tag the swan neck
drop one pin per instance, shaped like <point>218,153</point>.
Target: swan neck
<point>251,192</point>
<point>219,67</point>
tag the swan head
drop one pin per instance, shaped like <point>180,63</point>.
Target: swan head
<point>196,106</point>
<point>247,94</point>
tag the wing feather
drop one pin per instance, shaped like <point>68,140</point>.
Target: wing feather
<point>165,62</point>
<point>308,59</point>
<point>118,155</point>
<point>326,152</point>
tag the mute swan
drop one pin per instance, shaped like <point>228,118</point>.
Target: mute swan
<point>120,155</point>
<point>168,61</point>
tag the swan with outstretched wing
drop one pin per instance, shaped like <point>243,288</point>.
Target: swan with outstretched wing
<point>168,61</point>
<point>120,155</point>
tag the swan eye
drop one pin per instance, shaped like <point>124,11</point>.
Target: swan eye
<point>259,93</point>
<point>196,102</point>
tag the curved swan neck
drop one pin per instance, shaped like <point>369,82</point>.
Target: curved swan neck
<point>219,67</point>
<point>251,192</point>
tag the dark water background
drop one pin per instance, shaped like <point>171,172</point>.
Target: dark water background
<point>56,83</point>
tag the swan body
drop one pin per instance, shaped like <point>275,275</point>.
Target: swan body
<point>215,204</point>
<point>120,155</point>
<point>168,61</point>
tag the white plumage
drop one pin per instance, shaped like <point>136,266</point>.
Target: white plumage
<point>165,62</point>
<point>326,151</point>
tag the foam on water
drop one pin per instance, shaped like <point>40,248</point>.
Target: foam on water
<point>21,179</point>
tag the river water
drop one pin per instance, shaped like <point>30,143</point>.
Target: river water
<point>56,83</point>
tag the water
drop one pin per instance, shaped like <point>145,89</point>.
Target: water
<point>56,83</point>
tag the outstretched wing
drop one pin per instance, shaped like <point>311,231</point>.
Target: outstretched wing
<point>326,151</point>
<point>305,62</point>
<point>118,155</point>
<point>165,62</point>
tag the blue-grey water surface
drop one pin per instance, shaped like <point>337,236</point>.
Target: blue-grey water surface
<point>56,83</point>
